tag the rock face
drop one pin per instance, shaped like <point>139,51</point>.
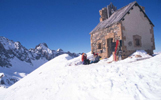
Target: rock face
<point>7,80</point>
<point>16,61</point>
<point>10,49</point>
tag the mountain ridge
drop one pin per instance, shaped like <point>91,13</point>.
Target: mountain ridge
<point>10,49</point>
<point>16,61</point>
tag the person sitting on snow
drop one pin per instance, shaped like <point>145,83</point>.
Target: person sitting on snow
<point>84,59</point>
<point>96,58</point>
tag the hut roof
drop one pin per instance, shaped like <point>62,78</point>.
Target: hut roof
<point>117,16</point>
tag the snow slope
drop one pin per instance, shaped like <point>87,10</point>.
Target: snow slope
<point>63,78</point>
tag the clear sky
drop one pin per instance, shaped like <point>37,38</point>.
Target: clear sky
<point>64,24</point>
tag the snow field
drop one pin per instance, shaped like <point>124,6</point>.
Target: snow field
<point>61,79</point>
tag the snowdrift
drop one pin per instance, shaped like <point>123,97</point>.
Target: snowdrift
<point>138,55</point>
<point>57,80</point>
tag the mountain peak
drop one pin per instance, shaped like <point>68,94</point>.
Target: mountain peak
<point>9,44</point>
<point>59,50</point>
<point>41,45</point>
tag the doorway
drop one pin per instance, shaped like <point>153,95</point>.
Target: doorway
<point>109,46</point>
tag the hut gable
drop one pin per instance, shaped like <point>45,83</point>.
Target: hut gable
<point>137,30</point>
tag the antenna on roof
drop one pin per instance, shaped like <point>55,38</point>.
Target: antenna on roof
<point>105,13</point>
<point>110,10</point>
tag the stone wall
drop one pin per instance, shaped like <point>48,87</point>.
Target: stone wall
<point>101,36</point>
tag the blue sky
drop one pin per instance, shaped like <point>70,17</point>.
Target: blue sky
<point>64,24</point>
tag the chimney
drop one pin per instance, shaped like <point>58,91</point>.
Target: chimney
<point>103,14</point>
<point>143,8</point>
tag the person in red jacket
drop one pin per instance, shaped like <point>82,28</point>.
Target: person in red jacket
<point>84,59</point>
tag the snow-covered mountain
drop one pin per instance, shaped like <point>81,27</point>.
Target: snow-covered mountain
<point>63,78</point>
<point>16,61</point>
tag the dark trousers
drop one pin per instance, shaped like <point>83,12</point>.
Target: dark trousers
<point>86,62</point>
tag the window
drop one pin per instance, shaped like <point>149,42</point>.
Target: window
<point>99,45</point>
<point>137,40</point>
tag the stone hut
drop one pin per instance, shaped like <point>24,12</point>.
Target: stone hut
<point>129,25</point>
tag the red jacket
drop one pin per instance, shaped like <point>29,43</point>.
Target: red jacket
<point>83,57</point>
